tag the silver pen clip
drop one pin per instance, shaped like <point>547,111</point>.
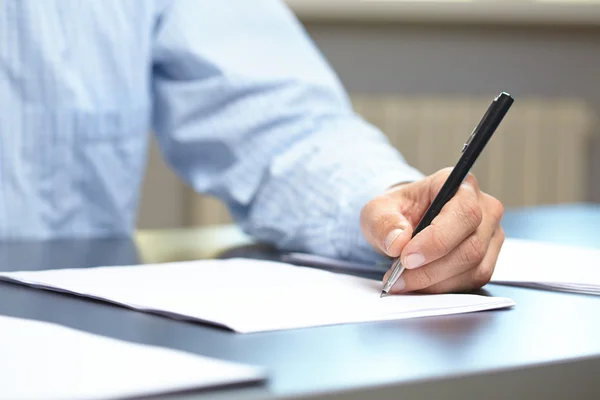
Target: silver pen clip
<point>468,141</point>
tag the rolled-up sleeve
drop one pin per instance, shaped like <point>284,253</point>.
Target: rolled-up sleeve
<point>246,109</point>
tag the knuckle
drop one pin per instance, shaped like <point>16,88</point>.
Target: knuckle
<point>481,276</point>
<point>472,180</point>
<point>369,213</point>
<point>381,222</point>
<point>365,212</point>
<point>422,278</point>
<point>438,179</point>
<point>440,243</point>
<point>497,209</point>
<point>444,172</point>
<point>470,214</point>
<point>368,207</point>
<point>372,204</point>
<point>472,251</point>
<point>494,207</point>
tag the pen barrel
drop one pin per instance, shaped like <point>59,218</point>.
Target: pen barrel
<point>471,151</point>
<point>485,129</point>
<point>446,193</point>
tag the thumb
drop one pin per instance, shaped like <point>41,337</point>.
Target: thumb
<point>385,227</point>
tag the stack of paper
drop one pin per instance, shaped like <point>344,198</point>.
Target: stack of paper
<point>39,360</point>
<point>521,262</point>
<point>549,266</point>
<point>250,295</point>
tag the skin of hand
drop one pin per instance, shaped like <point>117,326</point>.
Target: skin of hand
<point>457,252</point>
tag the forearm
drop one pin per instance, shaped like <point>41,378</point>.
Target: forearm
<point>312,194</point>
<point>248,110</point>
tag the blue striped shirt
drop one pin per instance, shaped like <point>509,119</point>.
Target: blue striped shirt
<point>242,104</point>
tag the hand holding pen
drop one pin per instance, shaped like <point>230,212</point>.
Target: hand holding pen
<point>443,231</point>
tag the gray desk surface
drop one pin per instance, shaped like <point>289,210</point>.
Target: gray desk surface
<point>548,345</point>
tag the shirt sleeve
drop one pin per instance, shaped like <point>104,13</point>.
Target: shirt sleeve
<point>247,109</point>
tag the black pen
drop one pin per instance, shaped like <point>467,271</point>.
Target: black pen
<point>470,151</point>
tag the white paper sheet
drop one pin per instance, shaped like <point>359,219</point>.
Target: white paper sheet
<point>40,360</point>
<point>250,295</point>
<point>536,264</point>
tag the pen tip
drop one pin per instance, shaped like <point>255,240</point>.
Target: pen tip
<point>383,294</point>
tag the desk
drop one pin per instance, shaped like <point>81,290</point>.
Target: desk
<point>548,346</point>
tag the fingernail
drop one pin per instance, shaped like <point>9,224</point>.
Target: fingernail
<point>391,238</point>
<point>414,260</point>
<point>399,285</point>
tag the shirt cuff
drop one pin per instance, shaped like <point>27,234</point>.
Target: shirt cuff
<point>346,235</point>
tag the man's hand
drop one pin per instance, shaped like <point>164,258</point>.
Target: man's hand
<point>457,252</point>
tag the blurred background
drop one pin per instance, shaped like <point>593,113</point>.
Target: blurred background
<point>425,71</point>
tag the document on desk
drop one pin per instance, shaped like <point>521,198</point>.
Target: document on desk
<point>550,266</point>
<point>41,360</point>
<point>247,295</point>
<point>521,262</point>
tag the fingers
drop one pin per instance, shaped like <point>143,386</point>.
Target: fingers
<point>474,278</point>
<point>457,221</point>
<point>384,227</point>
<point>456,252</point>
<point>467,264</point>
